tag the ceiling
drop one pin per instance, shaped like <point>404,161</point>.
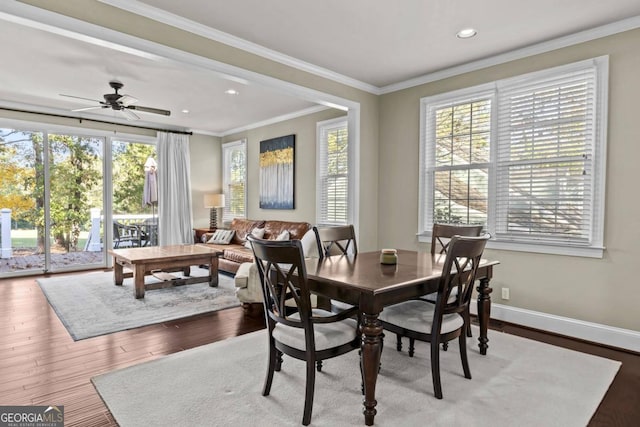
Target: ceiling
<point>370,44</point>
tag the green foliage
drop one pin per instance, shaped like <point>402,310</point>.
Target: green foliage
<point>76,169</point>
<point>128,176</point>
<point>75,181</point>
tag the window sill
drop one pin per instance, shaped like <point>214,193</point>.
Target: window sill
<point>578,251</point>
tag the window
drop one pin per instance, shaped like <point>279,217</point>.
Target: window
<point>332,195</point>
<point>234,179</point>
<point>524,157</point>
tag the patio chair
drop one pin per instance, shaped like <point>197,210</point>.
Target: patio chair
<point>125,235</point>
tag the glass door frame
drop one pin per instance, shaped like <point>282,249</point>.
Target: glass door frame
<point>107,186</point>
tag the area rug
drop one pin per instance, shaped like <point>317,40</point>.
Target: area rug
<point>90,304</point>
<point>520,382</point>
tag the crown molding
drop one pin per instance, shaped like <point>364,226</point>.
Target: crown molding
<point>278,119</point>
<point>139,8</point>
<point>535,49</point>
<point>188,25</point>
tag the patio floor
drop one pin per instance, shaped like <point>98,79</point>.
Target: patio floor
<point>25,262</point>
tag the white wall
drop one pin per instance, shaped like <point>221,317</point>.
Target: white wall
<point>206,174</point>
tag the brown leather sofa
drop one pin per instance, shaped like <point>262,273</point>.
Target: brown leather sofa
<point>235,253</point>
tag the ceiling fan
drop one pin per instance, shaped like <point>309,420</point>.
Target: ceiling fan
<point>121,103</point>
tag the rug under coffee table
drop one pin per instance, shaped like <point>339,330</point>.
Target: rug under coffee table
<point>164,259</point>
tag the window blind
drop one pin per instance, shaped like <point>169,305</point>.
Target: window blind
<point>545,172</point>
<point>459,135</point>
<point>234,166</point>
<point>332,202</point>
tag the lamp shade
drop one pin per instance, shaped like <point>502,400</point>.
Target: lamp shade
<point>214,200</point>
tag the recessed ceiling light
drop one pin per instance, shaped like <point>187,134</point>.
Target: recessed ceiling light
<point>466,33</point>
<point>185,111</point>
<point>231,92</point>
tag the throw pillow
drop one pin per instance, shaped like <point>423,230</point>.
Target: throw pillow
<point>221,237</point>
<point>283,236</point>
<point>258,233</point>
<point>309,244</point>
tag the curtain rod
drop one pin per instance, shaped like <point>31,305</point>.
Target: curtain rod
<point>80,119</point>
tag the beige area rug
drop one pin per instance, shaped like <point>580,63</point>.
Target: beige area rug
<point>519,383</point>
<point>90,304</point>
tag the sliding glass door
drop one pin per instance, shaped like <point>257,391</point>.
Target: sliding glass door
<point>75,201</point>
<point>51,199</point>
<point>135,194</point>
<point>66,198</point>
<point>22,181</point>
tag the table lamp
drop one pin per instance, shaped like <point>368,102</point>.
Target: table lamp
<point>213,202</point>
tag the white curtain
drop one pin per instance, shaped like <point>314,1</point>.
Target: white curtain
<point>175,222</point>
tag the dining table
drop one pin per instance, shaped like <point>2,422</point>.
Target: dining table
<point>364,281</point>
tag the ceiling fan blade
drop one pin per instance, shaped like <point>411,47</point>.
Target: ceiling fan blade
<point>90,108</point>
<point>127,100</point>
<point>129,114</point>
<point>149,110</point>
<point>79,97</point>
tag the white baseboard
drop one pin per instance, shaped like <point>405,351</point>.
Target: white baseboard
<point>588,331</point>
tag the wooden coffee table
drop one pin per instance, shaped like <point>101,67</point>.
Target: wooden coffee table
<point>159,260</point>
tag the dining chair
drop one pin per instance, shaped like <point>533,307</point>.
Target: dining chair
<point>440,239</point>
<point>307,334</point>
<point>339,240</point>
<point>336,240</point>
<point>445,320</point>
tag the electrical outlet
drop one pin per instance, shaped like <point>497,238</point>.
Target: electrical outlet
<point>505,293</point>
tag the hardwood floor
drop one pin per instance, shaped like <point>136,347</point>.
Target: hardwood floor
<point>41,365</point>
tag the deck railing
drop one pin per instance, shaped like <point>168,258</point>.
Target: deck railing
<point>94,240</point>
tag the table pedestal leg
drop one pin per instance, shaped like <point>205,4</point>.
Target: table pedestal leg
<point>371,348</point>
<point>484,313</point>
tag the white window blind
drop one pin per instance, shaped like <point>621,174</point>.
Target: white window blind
<point>234,179</point>
<point>332,195</point>
<point>458,160</point>
<point>523,156</point>
<point>545,158</point>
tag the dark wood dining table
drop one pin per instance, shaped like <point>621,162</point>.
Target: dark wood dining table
<point>362,280</point>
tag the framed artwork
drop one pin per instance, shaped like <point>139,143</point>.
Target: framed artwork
<point>277,165</point>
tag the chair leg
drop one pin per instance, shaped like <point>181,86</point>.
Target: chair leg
<point>398,342</point>
<point>308,398</point>
<point>435,369</point>
<point>361,372</point>
<point>270,369</point>
<point>412,346</point>
<point>463,355</point>
<point>467,316</point>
